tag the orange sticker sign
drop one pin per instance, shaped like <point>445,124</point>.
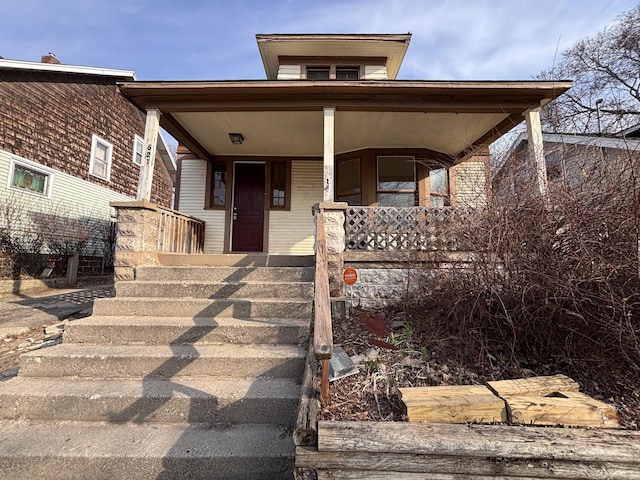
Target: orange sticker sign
<point>350,276</point>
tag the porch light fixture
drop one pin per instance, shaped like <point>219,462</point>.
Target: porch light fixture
<point>236,138</point>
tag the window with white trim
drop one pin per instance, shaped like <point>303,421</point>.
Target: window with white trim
<point>30,180</point>
<point>138,148</point>
<point>101,152</point>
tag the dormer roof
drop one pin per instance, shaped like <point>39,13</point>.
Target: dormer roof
<point>390,47</point>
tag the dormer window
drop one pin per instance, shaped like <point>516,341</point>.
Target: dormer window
<point>332,72</point>
<point>347,73</point>
<point>318,73</point>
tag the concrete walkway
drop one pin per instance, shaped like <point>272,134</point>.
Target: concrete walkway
<point>20,312</point>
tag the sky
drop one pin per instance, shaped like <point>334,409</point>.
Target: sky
<point>215,39</point>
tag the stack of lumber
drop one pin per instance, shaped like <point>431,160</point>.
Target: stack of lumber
<point>551,400</point>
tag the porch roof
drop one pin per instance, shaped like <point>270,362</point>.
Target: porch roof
<point>285,118</point>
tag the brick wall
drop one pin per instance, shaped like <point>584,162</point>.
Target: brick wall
<point>50,117</point>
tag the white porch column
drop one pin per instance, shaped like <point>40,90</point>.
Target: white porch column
<point>151,129</point>
<point>536,149</point>
<point>329,152</point>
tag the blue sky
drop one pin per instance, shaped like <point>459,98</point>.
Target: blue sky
<point>215,40</point>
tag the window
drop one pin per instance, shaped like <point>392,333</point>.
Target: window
<point>30,180</point>
<point>219,182</point>
<point>138,148</point>
<point>348,182</point>
<point>278,184</point>
<point>438,187</point>
<point>396,181</point>
<point>347,73</point>
<point>100,165</point>
<point>318,73</point>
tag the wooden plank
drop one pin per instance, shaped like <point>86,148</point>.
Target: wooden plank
<point>543,385</point>
<point>306,429</point>
<point>373,475</point>
<point>322,329</point>
<point>453,404</point>
<point>481,441</point>
<point>573,409</point>
<point>310,458</point>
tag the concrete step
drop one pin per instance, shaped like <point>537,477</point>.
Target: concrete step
<point>194,307</point>
<point>235,260</point>
<point>160,361</point>
<point>200,330</point>
<point>199,289</point>
<point>227,274</point>
<point>192,400</point>
<point>137,452</point>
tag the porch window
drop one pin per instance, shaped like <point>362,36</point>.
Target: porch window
<point>396,181</point>
<point>219,184</point>
<point>278,184</point>
<point>438,191</point>
<point>348,182</point>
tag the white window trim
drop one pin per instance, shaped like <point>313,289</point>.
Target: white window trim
<point>48,185</point>
<point>138,140</point>
<point>94,141</point>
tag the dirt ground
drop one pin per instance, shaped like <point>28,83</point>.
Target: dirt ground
<point>402,359</point>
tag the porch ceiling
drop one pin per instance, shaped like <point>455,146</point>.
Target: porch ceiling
<point>285,118</point>
<point>299,133</point>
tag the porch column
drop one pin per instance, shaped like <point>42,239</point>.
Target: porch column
<point>536,149</point>
<point>329,152</point>
<point>145,180</point>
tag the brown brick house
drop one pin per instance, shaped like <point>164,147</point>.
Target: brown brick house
<point>70,142</point>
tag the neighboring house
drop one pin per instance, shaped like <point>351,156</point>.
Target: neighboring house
<point>330,123</point>
<point>572,160</point>
<point>70,143</point>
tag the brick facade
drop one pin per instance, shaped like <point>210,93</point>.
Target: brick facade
<point>50,117</point>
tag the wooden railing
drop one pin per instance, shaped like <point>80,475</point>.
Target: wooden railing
<point>179,232</point>
<point>323,330</point>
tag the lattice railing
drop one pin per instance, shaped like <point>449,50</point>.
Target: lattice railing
<point>403,228</point>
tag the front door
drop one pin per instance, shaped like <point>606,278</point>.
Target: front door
<point>248,207</point>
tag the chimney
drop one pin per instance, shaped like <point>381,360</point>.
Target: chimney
<point>50,58</point>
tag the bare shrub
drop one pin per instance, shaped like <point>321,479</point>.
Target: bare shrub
<point>555,281</point>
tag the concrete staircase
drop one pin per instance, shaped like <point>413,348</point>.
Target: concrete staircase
<point>189,372</point>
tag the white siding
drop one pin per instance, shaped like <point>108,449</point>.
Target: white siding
<point>375,72</point>
<point>69,194</point>
<point>289,72</point>
<point>292,232</point>
<point>69,197</point>
<point>193,177</point>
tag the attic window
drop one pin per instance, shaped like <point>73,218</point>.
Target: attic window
<point>317,73</point>
<point>347,73</point>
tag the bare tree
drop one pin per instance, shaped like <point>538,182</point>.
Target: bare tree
<point>605,69</point>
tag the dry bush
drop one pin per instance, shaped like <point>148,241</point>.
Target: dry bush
<point>555,282</point>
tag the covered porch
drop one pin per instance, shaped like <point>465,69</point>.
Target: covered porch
<point>262,153</point>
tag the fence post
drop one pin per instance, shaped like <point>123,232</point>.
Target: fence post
<point>72,268</point>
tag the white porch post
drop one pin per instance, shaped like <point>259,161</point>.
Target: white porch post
<point>536,149</point>
<point>329,152</point>
<point>151,129</point>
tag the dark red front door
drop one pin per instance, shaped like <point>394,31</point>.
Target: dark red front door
<point>248,207</point>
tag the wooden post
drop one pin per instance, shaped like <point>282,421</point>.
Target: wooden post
<point>536,149</point>
<point>324,382</point>
<point>329,152</point>
<point>145,180</point>
<point>72,268</point>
